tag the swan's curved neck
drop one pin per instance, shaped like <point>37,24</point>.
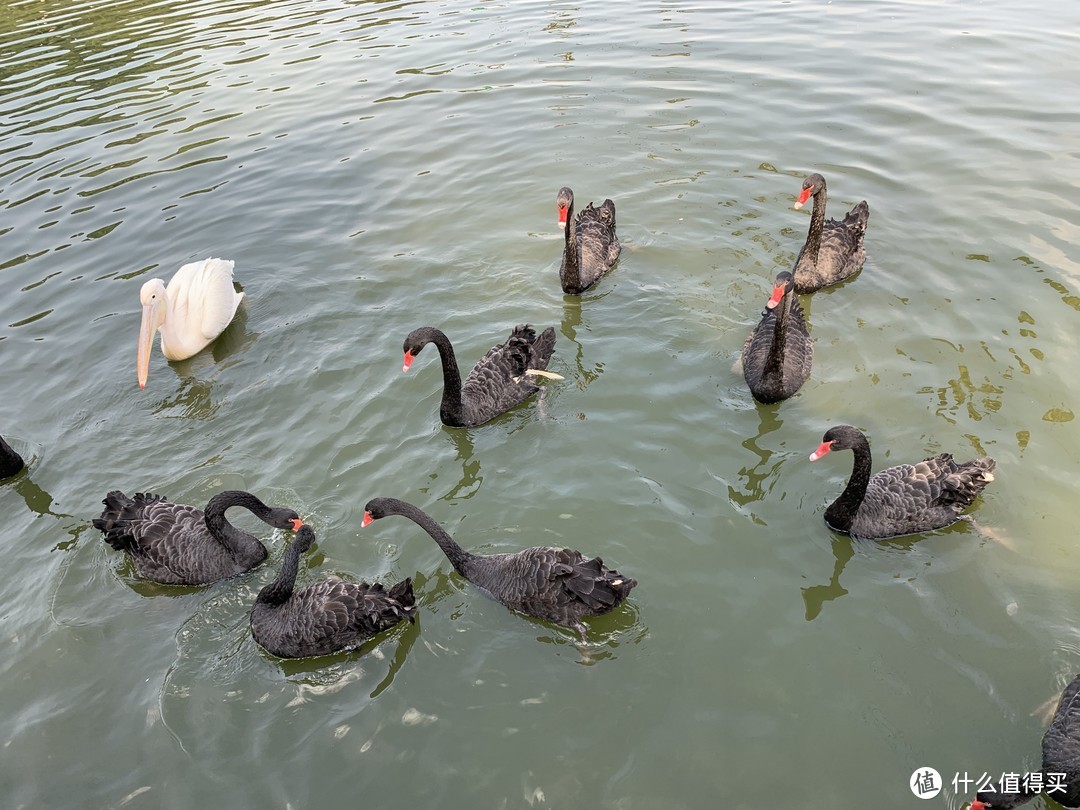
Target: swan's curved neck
<point>841,513</point>
<point>458,556</point>
<point>817,224</point>
<point>451,407</point>
<point>280,590</point>
<point>774,362</point>
<point>223,531</point>
<point>571,267</point>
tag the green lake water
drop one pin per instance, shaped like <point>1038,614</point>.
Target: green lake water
<point>372,167</point>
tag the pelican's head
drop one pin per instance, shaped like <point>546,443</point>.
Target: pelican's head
<point>154,307</point>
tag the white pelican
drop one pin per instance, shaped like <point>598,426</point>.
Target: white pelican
<point>195,308</point>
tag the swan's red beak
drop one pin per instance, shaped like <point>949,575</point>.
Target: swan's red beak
<point>799,203</point>
<point>296,524</point>
<point>977,805</point>
<point>823,448</point>
<point>777,296</point>
<point>367,520</point>
<point>405,366</point>
<point>562,216</point>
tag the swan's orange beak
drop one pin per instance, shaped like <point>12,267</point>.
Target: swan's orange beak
<point>977,805</point>
<point>803,197</point>
<point>562,216</point>
<point>777,295</point>
<point>367,520</point>
<point>408,361</point>
<point>297,524</point>
<point>823,448</point>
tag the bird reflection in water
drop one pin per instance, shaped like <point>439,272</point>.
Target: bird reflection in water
<point>754,477</point>
<point>192,399</point>
<point>571,321</point>
<point>816,596</point>
<point>471,479</point>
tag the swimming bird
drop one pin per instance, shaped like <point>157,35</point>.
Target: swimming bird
<point>591,247</point>
<point>906,499</point>
<point>193,310</point>
<point>833,250</point>
<point>778,354</point>
<point>329,616</point>
<point>555,584</point>
<point>176,544</point>
<point>10,461</point>
<point>1060,762</point>
<point>499,381</point>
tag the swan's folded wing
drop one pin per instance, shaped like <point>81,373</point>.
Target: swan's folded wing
<point>490,389</point>
<point>598,247</point>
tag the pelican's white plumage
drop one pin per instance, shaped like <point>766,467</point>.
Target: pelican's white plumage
<point>193,310</point>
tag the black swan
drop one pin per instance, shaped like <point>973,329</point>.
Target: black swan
<point>906,499</point>
<point>176,544</point>
<point>833,250</point>
<point>10,461</point>
<point>1060,774</point>
<point>498,382</point>
<point>778,354</point>
<point>332,615</point>
<point>556,584</point>
<point>591,247</point>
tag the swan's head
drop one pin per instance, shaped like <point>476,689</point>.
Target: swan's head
<point>811,187</point>
<point>840,437</point>
<point>154,308</point>
<point>784,282</point>
<point>377,508</point>
<point>286,519</point>
<point>564,201</point>
<point>305,538</point>
<point>416,340</point>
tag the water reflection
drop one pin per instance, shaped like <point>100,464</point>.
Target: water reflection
<point>754,478</point>
<point>193,398</point>
<point>571,321</point>
<point>328,672</point>
<point>843,549</point>
<point>37,499</point>
<point>606,634</point>
<point>816,596</point>
<point>471,479</point>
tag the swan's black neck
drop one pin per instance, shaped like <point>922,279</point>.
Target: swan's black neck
<point>841,512</point>
<point>10,461</point>
<point>774,361</point>
<point>451,410</point>
<point>458,556</point>
<point>225,533</point>
<point>571,267</point>
<point>280,590</point>
<point>817,224</point>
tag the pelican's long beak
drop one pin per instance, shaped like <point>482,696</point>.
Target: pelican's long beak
<point>146,340</point>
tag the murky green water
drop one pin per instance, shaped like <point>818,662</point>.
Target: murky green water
<point>373,167</point>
